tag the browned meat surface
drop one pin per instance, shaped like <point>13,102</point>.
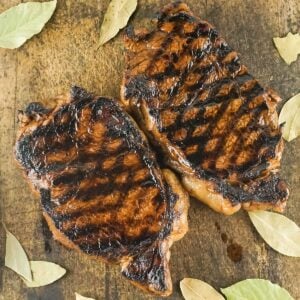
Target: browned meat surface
<point>216,125</point>
<point>101,189</point>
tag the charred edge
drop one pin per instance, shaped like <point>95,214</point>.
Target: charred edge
<point>35,108</point>
<point>148,269</point>
<point>169,213</point>
<point>80,94</point>
<point>268,190</point>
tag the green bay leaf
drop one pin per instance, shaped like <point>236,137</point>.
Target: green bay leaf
<point>194,289</point>
<point>44,273</point>
<point>256,289</point>
<point>279,232</point>
<point>16,258</point>
<point>21,22</point>
<point>290,115</point>
<point>116,17</point>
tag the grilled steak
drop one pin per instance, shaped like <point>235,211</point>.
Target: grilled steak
<point>101,189</point>
<point>216,125</point>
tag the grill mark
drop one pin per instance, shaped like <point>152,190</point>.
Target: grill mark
<point>210,101</point>
<point>48,131</point>
<point>107,189</point>
<point>114,249</point>
<point>208,131</point>
<point>197,56</point>
<point>132,141</point>
<point>49,146</point>
<point>82,158</point>
<point>72,178</point>
<point>89,194</point>
<point>183,76</point>
<point>158,53</point>
<point>75,231</point>
<point>200,120</point>
<point>103,189</point>
<point>81,234</point>
<point>106,203</point>
<point>255,91</point>
<point>238,149</point>
<point>219,149</point>
<point>214,88</point>
<point>248,170</point>
<point>68,220</point>
<point>65,198</point>
<point>168,72</point>
<point>220,113</point>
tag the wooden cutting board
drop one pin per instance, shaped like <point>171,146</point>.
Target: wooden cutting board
<point>217,249</point>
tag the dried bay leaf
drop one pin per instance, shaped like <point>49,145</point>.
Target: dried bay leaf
<point>278,231</point>
<point>80,297</point>
<point>256,289</point>
<point>44,273</point>
<point>16,258</point>
<point>116,17</point>
<point>288,47</point>
<point>290,115</point>
<point>194,289</point>
<point>21,22</point>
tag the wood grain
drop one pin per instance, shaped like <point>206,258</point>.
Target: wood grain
<point>66,53</point>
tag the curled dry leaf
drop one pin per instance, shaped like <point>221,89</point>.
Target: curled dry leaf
<point>79,297</point>
<point>16,258</point>
<point>194,289</point>
<point>44,273</point>
<point>278,231</point>
<point>290,115</point>
<point>288,47</point>
<point>116,17</point>
<point>21,22</point>
<point>256,289</point>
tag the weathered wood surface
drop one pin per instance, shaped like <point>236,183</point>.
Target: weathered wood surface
<point>220,250</point>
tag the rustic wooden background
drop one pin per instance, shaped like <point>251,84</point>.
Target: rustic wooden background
<point>217,249</point>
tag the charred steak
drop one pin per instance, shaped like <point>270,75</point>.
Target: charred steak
<point>216,125</point>
<point>101,189</point>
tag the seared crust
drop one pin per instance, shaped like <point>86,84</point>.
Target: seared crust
<point>156,258</point>
<point>216,125</point>
<point>101,189</point>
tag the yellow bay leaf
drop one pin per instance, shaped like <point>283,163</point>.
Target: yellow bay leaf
<point>16,258</point>
<point>288,47</point>
<point>80,297</point>
<point>279,232</point>
<point>44,273</point>
<point>116,18</point>
<point>194,289</point>
<point>290,115</point>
